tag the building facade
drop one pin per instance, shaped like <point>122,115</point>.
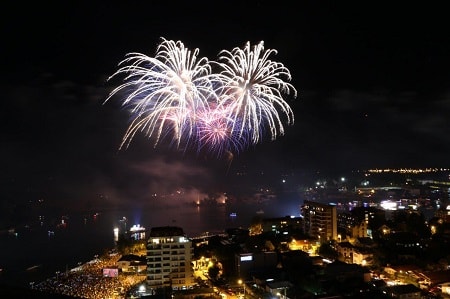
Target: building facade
<point>281,225</point>
<point>169,257</point>
<point>319,220</point>
<point>247,263</point>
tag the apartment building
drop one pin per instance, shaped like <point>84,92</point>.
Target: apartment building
<point>319,220</point>
<point>169,257</point>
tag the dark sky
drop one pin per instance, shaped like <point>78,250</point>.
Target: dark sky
<point>373,82</point>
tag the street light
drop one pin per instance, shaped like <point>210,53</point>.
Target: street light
<point>240,282</point>
<point>280,295</point>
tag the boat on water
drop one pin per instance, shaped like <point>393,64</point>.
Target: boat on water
<point>33,267</point>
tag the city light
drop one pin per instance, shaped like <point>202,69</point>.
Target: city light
<point>240,282</point>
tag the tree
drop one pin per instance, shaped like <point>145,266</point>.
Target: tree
<point>327,250</point>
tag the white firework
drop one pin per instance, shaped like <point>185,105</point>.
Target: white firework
<point>253,88</point>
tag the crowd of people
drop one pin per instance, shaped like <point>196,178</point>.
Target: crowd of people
<point>88,280</point>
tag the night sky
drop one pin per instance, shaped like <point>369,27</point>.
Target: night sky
<point>373,84</point>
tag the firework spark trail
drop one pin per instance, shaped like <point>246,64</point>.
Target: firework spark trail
<point>176,95</point>
<point>215,133</point>
<point>168,90</point>
<point>253,87</point>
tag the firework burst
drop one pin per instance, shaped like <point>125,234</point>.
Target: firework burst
<point>165,92</point>
<point>215,133</point>
<point>253,88</point>
<point>176,95</point>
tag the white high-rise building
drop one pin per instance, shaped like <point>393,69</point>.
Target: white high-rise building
<point>169,256</point>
